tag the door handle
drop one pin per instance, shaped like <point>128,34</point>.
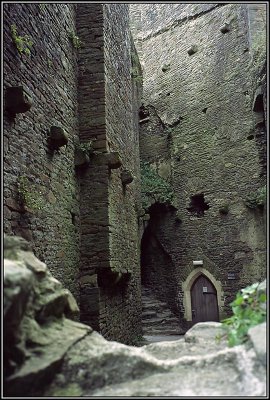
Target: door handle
<point>193,313</point>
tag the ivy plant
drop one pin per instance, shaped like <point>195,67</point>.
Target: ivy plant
<point>22,43</point>
<point>249,309</point>
<point>154,188</point>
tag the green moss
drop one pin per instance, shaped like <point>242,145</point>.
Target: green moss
<point>22,43</point>
<point>256,199</point>
<point>154,188</point>
<point>75,40</point>
<point>42,6</point>
<point>72,389</point>
<point>86,148</point>
<point>29,195</point>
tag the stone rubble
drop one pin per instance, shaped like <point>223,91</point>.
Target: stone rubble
<point>47,354</point>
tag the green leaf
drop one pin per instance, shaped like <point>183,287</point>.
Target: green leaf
<point>239,300</point>
<point>262,298</point>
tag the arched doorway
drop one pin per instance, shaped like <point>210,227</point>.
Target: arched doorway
<point>187,289</point>
<point>204,306</point>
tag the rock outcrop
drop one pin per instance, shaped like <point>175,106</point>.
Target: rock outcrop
<point>48,354</point>
<point>37,333</point>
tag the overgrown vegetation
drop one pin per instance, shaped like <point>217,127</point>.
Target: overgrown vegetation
<point>86,148</point>
<point>75,40</point>
<point>22,43</point>
<point>256,199</point>
<point>154,188</point>
<point>249,309</point>
<point>28,195</point>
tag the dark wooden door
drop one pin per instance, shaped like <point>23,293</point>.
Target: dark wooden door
<point>204,301</point>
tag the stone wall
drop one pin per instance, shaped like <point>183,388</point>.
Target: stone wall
<point>82,220</point>
<point>108,99</point>
<point>121,307</point>
<point>197,85</point>
<point>49,216</point>
<point>94,250</point>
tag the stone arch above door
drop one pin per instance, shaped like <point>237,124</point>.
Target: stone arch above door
<point>187,285</point>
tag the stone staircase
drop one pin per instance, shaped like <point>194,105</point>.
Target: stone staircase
<point>157,319</point>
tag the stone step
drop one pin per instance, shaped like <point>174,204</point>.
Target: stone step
<point>146,305</point>
<point>152,321</point>
<point>148,324</point>
<point>157,318</point>
<point>164,332</point>
<point>149,314</point>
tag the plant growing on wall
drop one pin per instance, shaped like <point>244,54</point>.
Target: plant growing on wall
<point>135,69</point>
<point>86,148</point>
<point>256,199</point>
<point>83,152</point>
<point>30,197</point>
<point>42,6</point>
<point>249,309</point>
<point>154,188</point>
<point>22,43</point>
<point>75,40</point>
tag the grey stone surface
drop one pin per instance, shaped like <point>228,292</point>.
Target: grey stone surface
<point>257,335</point>
<point>201,125</point>
<point>200,135</point>
<point>52,189</point>
<point>170,368</point>
<point>37,334</point>
<point>55,356</point>
<point>78,220</point>
<point>204,331</point>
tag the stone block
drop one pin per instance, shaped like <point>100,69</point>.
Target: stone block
<point>17,100</point>
<point>225,28</point>
<point>57,138</point>
<point>81,158</point>
<point>126,177</point>
<point>192,50</point>
<point>113,160</point>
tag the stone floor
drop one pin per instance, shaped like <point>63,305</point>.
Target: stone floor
<point>161,338</point>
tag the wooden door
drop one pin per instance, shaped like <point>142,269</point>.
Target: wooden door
<point>204,301</point>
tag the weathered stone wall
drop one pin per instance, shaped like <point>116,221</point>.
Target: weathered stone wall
<point>49,74</point>
<point>155,20</point>
<point>121,308</point>
<point>108,98</point>
<point>202,98</point>
<point>82,220</point>
<point>94,250</point>
<point>257,42</point>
